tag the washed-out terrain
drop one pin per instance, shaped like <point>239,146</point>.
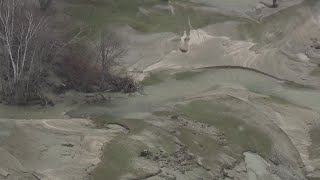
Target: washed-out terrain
<point>230,91</point>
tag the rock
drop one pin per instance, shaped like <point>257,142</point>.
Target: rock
<point>67,145</point>
<point>230,173</point>
<point>145,153</point>
<point>174,117</point>
<point>172,131</point>
<point>4,173</point>
<point>315,43</point>
<point>183,48</point>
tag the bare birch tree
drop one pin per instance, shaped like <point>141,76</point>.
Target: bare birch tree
<point>20,30</point>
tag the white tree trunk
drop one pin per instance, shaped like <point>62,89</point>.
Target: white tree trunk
<point>16,32</point>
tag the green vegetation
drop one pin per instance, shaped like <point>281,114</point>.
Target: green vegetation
<point>116,159</point>
<point>186,75</point>
<point>239,135</point>
<point>163,113</point>
<point>135,125</point>
<point>122,150</point>
<point>315,137</point>
<point>203,146</point>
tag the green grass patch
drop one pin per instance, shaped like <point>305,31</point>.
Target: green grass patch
<point>240,136</point>
<point>162,113</point>
<point>116,159</point>
<point>186,75</point>
<point>123,149</point>
<point>314,148</point>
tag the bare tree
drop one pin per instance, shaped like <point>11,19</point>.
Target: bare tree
<point>111,49</point>
<point>20,32</point>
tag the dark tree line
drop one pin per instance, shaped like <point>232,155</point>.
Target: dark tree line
<point>30,49</point>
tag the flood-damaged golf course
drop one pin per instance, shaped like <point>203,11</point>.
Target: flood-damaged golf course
<point>230,90</point>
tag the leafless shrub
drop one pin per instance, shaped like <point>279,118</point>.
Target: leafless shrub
<point>78,72</point>
<point>81,69</point>
<point>125,84</point>
<point>110,50</point>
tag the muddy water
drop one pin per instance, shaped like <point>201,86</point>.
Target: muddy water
<point>180,87</point>
<point>172,88</point>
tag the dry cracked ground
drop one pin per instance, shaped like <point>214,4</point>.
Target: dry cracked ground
<point>230,91</point>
